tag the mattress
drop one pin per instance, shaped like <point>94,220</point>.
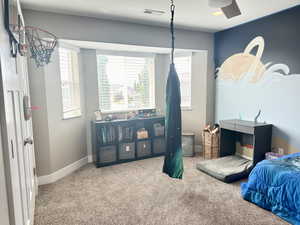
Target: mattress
<point>227,169</point>
<point>275,186</point>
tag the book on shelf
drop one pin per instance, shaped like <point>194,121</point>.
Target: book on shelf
<point>107,134</point>
<point>125,133</point>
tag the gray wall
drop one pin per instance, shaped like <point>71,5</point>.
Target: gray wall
<point>192,120</point>
<point>58,142</point>
<point>89,62</point>
<point>98,30</point>
<point>67,136</point>
<point>195,119</point>
<point>91,29</point>
<point>40,118</point>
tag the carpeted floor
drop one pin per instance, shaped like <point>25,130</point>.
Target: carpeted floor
<point>137,193</point>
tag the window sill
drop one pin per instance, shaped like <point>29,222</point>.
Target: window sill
<point>186,109</point>
<point>71,115</point>
<point>122,111</point>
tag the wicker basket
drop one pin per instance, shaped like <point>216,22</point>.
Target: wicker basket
<point>211,143</point>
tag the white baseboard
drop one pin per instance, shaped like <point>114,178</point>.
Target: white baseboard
<point>51,178</point>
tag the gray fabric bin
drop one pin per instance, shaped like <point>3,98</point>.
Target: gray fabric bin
<point>127,151</point>
<point>159,146</point>
<point>143,148</point>
<point>108,154</point>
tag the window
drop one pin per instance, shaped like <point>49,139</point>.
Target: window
<point>69,74</point>
<point>184,69</point>
<point>125,83</point>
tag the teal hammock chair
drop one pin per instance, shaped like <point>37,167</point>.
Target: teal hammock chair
<point>173,163</point>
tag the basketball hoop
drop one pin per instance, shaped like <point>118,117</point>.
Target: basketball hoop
<point>19,32</point>
<point>41,44</point>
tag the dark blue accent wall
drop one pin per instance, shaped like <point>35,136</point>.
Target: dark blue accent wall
<point>277,92</point>
<point>281,32</point>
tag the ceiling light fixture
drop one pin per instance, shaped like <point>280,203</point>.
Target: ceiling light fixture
<point>219,3</point>
<point>230,8</point>
<point>154,12</point>
<point>217,13</point>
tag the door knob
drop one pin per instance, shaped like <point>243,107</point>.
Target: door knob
<point>28,141</point>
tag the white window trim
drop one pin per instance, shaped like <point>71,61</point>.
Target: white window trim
<point>186,108</point>
<point>68,46</point>
<point>186,54</point>
<point>128,54</point>
<point>183,54</point>
<point>124,111</point>
<point>76,112</point>
<point>72,114</point>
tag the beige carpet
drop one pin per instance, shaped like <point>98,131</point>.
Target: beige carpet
<point>137,193</point>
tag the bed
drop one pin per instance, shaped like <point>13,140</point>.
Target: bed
<point>275,186</point>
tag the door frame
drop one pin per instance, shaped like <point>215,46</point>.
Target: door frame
<point>9,81</point>
<point>4,210</point>
<point>7,147</point>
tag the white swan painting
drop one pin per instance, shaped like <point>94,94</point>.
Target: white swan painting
<point>246,65</point>
<point>246,85</point>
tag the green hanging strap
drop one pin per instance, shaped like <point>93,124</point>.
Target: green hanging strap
<point>172,30</point>
<point>173,163</point>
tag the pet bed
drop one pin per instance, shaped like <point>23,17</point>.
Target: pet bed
<point>227,169</point>
<point>275,185</point>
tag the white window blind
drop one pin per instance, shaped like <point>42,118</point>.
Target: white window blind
<point>184,70</point>
<point>125,83</point>
<point>70,86</point>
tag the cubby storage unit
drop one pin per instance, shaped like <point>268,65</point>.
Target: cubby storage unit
<point>143,148</point>
<point>127,151</point>
<point>117,141</point>
<point>159,145</point>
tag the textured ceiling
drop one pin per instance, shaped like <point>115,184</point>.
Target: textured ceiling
<point>190,14</point>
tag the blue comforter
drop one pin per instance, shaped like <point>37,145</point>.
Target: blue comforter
<point>275,185</point>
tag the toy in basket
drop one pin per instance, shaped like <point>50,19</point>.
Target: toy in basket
<point>211,142</point>
<point>142,134</point>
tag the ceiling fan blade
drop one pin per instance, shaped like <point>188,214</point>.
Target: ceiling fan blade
<point>232,10</point>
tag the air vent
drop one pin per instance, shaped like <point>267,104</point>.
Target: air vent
<point>154,12</point>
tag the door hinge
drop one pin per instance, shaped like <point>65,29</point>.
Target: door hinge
<point>12,149</point>
<point>34,172</point>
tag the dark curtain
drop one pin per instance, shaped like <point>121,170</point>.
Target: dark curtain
<point>173,163</point>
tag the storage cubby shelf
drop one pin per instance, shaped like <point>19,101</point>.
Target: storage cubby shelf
<point>126,150</point>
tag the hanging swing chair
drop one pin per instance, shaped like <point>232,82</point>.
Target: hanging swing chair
<point>173,163</point>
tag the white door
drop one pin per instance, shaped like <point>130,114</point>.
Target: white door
<point>20,154</point>
<point>28,142</point>
<point>16,133</point>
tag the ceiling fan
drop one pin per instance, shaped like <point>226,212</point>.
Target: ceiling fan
<point>229,7</point>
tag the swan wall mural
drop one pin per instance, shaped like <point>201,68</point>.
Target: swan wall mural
<point>248,67</point>
<point>262,73</point>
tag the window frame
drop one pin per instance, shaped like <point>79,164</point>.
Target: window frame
<point>75,112</point>
<point>187,54</point>
<point>128,54</point>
